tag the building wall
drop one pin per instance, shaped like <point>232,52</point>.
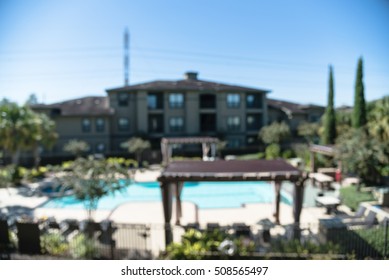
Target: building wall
<point>71,128</point>
<point>138,113</point>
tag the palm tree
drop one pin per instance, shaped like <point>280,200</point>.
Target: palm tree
<point>136,145</point>
<point>15,129</point>
<point>92,178</point>
<point>76,147</point>
<point>23,129</point>
<point>45,135</point>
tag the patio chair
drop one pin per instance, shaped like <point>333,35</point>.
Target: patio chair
<point>212,226</point>
<point>28,234</point>
<point>90,228</point>
<point>192,226</point>
<point>367,221</point>
<point>68,226</point>
<point>241,229</point>
<point>5,242</point>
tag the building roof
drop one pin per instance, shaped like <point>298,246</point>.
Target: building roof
<point>234,170</point>
<point>190,83</point>
<point>189,140</point>
<point>290,107</point>
<point>85,106</point>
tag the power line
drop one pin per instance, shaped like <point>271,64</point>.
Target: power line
<point>177,56</point>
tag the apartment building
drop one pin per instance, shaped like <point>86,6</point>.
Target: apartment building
<point>188,107</point>
<point>185,107</point>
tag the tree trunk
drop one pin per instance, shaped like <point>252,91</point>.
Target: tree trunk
<point>15,157</point>
<point>37,158</point>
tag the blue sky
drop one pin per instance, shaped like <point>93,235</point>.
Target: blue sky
<point>67,49</point>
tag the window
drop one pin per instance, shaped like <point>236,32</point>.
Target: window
<point>156,123</point>
<point>253,121</point>
<point>123,99</point>
<point>100,125</point>
<point>233,100</point>
<point>233,123</point>
<point>254,101</point>
<point>123,124</point>
<point>176,124</point>
<point>207,122</point>
<point>207,101</point>
<point>155,100</point>
<point>234,143</point>
<point>252,140</point>
<point>100,148</point>
<point>314,118</point>
<point>176,100</point>
<point>86,125</point>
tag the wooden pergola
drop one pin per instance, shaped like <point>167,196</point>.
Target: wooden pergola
<point>176,173</point>
<point>321,149</point>
<point>208,143</point>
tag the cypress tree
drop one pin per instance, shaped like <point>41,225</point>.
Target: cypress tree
<point>359,113</point>
<point>329,134</point>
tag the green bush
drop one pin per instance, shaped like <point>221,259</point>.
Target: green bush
<point>351,197</point>
<point>273,151</point>
<point>251,156</point>
<point>196,245</point>
<point>306,248</point>
<point>54,244</point>
<point>287,154</point>
<point>123,162</point>
<point>82,247</point>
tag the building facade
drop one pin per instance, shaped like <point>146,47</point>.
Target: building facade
<point>186,107</point>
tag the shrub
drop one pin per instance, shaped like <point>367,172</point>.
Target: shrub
<point>198,245</point>
<point>287,154</point>
<point>273,151</point>
<point>82,247</point>
<point>54,244</point>
<point>306,248</point>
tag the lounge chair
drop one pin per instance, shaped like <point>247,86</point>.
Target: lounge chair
<point>241,229</point>
<point>68,226</point>
<point>358,214</point>
<point>369,220</point>
<point>192,226</point>
<point>212,226</point>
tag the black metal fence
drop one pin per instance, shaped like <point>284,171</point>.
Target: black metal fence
<point>72,240</point>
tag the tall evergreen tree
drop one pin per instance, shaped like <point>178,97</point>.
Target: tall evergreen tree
<point>329,134</point>
<point>359,113</point>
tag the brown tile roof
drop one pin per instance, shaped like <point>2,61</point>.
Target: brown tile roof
<point>290,107</point>
<point>187,85</point>
<point>90,106</point>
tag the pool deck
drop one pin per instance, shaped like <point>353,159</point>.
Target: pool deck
<point>20,200</point>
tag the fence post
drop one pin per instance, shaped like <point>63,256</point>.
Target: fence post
<point>386,239</point>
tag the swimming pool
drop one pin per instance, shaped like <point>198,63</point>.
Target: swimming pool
<point>204,194</point>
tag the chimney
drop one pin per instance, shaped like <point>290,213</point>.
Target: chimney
<point>190,76</point>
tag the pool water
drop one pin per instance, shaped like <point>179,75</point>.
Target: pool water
<point>204,194</point>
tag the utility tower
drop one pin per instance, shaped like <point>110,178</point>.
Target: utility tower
<point>126,57</point>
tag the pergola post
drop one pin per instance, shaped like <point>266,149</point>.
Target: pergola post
<point>277,189</point>
<point>164,152</point>
<point>205,147</point>
<point>298,197</point>
<point>179,187</point>
<point>213,150</point>
<point>312,159</point>
<point>167,199</point>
